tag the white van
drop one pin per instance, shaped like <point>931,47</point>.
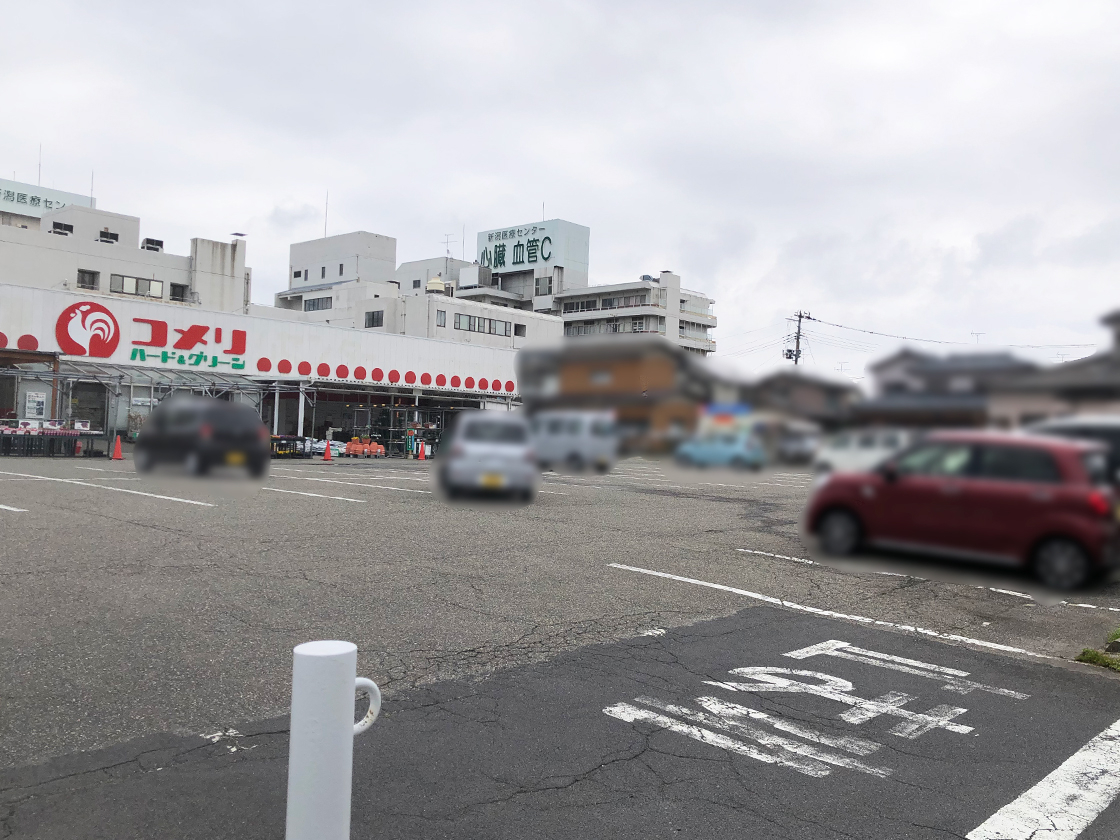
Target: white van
<point>575,439</point>
<point>858,450</point>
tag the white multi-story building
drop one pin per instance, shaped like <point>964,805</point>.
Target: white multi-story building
<point>79,248</point>
<point>353,284</point>
<point>647,305</point>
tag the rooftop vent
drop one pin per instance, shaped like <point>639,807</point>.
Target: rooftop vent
<point>105,236</point>
<point>152,245</point>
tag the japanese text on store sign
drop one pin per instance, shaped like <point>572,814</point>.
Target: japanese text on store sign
<point>190,338</point>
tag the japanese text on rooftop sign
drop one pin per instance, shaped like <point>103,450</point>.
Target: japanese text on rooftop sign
<point>516,248</point>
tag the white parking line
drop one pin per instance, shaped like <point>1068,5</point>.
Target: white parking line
<point>769,599</point>
<point>1067,801</point>
<point>13,509</point>
<point>316,495</point>
<point>75,481</point>
<point>353,484</point>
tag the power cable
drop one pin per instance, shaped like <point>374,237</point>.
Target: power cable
<point>936,340</point>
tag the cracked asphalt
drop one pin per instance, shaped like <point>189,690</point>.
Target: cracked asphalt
<point>132,625</point>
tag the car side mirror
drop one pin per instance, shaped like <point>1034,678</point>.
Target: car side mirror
<point>889,473</point>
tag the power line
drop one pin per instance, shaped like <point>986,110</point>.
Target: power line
<point>935,340</point>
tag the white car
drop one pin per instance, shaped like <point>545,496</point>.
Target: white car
<point>857,450</point>
<point>575,439</point>
<point>489,451</point>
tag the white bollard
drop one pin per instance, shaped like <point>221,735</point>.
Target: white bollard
<point>321,750</point>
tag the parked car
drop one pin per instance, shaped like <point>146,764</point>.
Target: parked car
<point>492,452</point>
<point>576,439</point>
<point>797,447</point>
<point>730,449</point>
<point>1104,428</point>
<point>202,432</point>
<point>1006,498</point>
<point>860,449</point>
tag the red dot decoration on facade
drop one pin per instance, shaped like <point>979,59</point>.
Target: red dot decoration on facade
<point>359,372</point>
<point>27,342</point>
<point>342,371</point>
<point>483,384</point>
<point>456,381</point>
<point>441,380</point>
<point>425,379</point>
<point>469,382</point>
<point>304,368</point>
<point>394,376</point>
<point>377,374</point>
<point>410,378</point>
<point>264,365</point>
<point>324,369</point>
<point>510,386</point>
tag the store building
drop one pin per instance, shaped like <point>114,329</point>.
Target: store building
<point>107,360</point>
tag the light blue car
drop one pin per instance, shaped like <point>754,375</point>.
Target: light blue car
<point>732,449</point>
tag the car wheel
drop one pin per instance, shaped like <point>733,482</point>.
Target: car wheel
<point>839,533</point>
<point>142,460</point>
<point>575,462</point>
<point>196,464</point>
<point>258,469</point>
<point>1062,564</point>
<point>602,467</point>
<point>528,496</point>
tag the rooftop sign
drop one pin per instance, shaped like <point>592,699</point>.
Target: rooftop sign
<point>30,200</point>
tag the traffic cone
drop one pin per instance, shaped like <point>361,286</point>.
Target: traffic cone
<point>327,452</point>
<point>422,448</point>
<point>117,456</point>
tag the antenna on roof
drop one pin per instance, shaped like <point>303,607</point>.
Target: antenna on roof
<point>326,207</point>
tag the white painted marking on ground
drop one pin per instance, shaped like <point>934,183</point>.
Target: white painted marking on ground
<point>354,484</point>
<point>316,495</point>
<point>953,678</point>
<point>554,493</point>
<point>74,481</point>
<point>1012,592</point>
<point>99,469</point>
<point>848,743</point>
<point>1067,801</point>
<point>13,509</point>
<point>771,679</point>
<point>631,714</point>
<point>730,719</point>
<point>778,556</point>
<point>769,599</point>
<point>653,631</point>
<point>363,475</point>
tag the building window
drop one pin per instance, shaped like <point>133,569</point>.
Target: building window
<point>88,279</point>
<point>375,319</point>
<point>316,304</point>
<point>583,305</point>
<point>135,286</point>
<point>323,273</point>
<point>179,292</point>
<point>340,269</point>
<point>441,318</point>
<point>416,283</point>
<point>544,286</point>
<point>298,274</point>
<point>492,326</point>
<point>519,330</point>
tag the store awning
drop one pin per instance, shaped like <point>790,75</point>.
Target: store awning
<point>112,374</point>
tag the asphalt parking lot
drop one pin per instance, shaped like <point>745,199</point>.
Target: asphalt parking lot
<point>138,616</point>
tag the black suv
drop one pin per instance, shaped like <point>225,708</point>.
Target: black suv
<point>202,432</point>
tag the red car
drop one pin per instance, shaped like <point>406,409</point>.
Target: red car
<point>993,497</point>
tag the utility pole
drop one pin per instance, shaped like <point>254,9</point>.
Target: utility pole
<point>795,353</point>
<point>977,336</point>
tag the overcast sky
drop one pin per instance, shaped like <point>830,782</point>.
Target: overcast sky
<point>926,169</point>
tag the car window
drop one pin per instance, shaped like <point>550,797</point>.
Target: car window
<point>555,427</point>
<point>891,441</point>
<point>839,442</point>
<point>573,426</point>
<point>936,459</point>
<point>866,441</point>
<point>1096,467</point>
<point>484,431</point>
<point>602,428</point>
<point>1017,463</point>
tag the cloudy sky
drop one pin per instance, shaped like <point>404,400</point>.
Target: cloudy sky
<point>932,170</point>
